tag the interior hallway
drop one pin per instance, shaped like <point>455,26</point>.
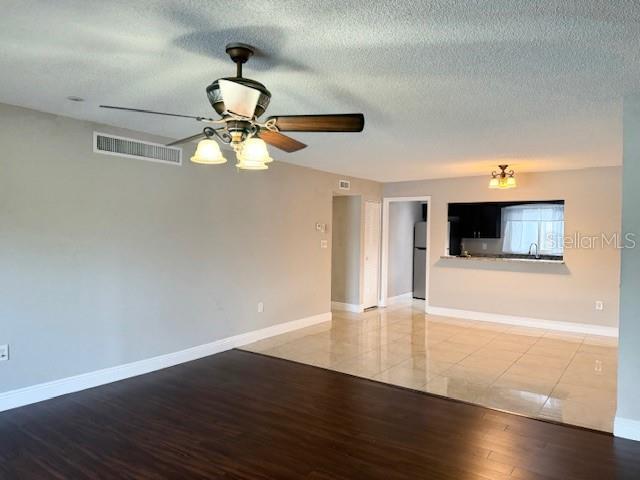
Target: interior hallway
<point>552,375</point>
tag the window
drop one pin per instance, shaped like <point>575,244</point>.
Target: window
<point>541,223</point>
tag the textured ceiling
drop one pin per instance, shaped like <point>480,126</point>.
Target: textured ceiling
<point>448,88</point>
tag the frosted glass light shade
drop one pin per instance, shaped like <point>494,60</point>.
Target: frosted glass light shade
<point>246,165</point>
<point>502,182</point>
<point>253,155</point>
<point>208,153</point>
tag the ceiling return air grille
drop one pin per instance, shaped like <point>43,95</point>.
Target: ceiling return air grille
<point>131,148</point>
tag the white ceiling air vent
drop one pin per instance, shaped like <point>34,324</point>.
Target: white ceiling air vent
<point>131,148</point>
<point>344,184</point>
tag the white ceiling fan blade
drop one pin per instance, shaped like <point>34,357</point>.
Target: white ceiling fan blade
<point>239,99</point>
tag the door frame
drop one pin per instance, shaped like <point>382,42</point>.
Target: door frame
<point>384,265</point>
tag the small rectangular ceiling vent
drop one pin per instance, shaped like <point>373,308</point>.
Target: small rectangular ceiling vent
<point>344,184</point>
<point>131,148</point>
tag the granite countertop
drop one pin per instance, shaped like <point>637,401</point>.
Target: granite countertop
<point>508,258</point>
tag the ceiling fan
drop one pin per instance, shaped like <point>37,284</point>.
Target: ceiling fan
<point>240,102</point>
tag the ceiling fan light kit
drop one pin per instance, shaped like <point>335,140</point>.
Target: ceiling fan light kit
<point>240,102</point>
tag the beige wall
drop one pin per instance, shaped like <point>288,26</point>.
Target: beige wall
<point>345,249</point>
<point>554,292</point>
<point>109,260</point>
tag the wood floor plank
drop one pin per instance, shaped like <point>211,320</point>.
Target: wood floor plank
<point>240,415</point>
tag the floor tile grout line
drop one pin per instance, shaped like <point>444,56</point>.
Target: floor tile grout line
<point>539,411</point>
<point>392,366</point>
<point>378,328</point>
<point>516,361</point>
<point>562,374</point>
<point>461,360</point>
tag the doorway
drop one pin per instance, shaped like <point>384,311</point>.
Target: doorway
<point>405,249</point>
<point>355,253</point>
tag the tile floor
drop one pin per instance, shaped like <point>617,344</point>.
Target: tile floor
<point>539,373</point>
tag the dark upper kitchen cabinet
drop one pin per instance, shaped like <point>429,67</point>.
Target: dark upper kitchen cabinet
<point>476,220</point>
<point>489,221</point>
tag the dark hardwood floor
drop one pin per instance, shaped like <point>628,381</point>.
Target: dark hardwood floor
<point>239,415</point>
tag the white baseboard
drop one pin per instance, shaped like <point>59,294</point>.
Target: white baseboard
<point>45,391</point>
<point>626,428</point>
<point>398,298</point>
<point>347,307</point>
<point>524,321</point>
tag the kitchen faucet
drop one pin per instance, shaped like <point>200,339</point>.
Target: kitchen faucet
<point>531,247</point>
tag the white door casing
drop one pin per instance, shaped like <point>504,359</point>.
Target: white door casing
<point>372,230</point>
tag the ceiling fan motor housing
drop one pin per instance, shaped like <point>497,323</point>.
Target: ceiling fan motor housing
<point>214,94</point>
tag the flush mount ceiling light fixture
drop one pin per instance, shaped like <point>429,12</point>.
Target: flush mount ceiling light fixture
<point>502,179</point>
<point>240,102</point>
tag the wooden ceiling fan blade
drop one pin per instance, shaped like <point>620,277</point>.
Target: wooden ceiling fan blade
<point>141,110</point>
<point>281,141</point>
<point>197,136</point>
<point>345,122</point>
<point>239,99</point>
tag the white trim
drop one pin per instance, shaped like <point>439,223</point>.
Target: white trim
<point>384,275</point>
<point>136,157</point>
<point>400,298</point>
<point>347,307</point>
<point>626,428</point>
<point>45,391</point>
<point>363,253</point>
<point>524,321</point>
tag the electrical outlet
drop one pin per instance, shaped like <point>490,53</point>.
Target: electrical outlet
<point>4,353</point>
<point>484,246</point>
<point>260,307</point>
<point>324,244</point>
<point>599,305</point>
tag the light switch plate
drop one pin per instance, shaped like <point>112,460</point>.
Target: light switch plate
<point>4,353</point>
